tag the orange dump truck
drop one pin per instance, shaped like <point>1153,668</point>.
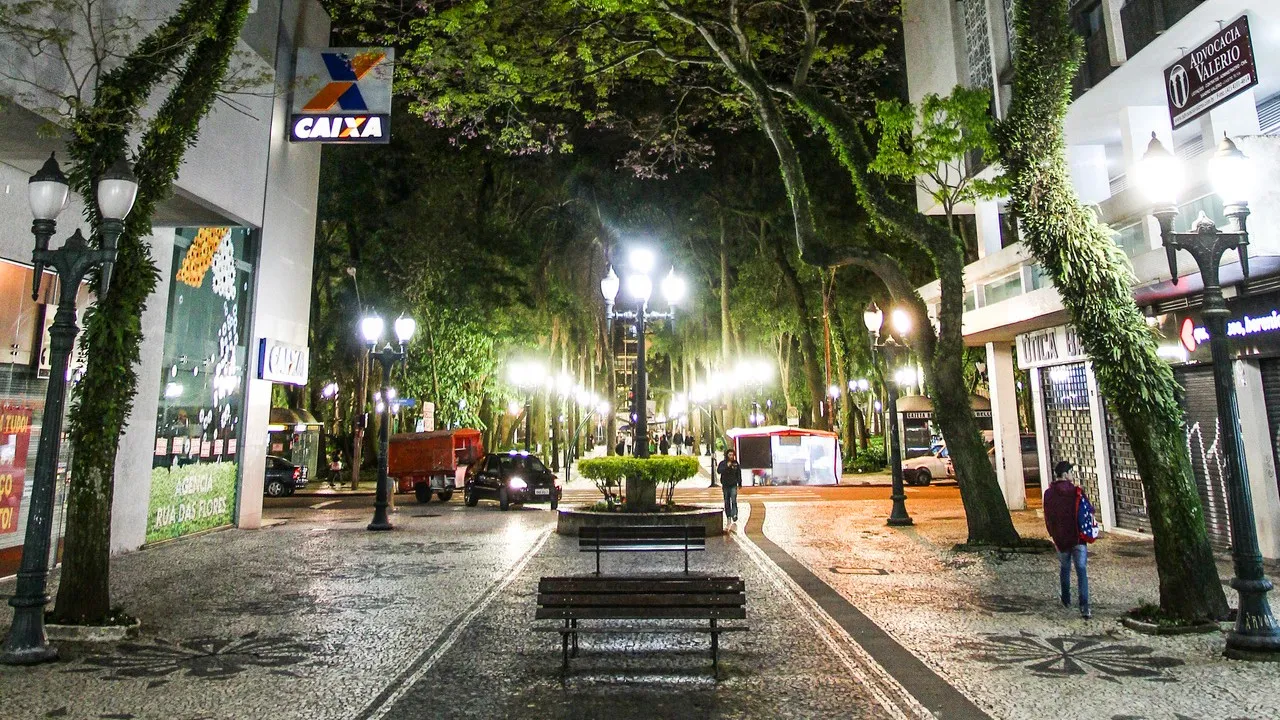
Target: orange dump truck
<point>432,462</point>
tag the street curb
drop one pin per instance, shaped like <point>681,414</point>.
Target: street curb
<point>927,687</point>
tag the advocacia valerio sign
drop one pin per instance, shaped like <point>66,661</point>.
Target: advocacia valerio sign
<point>1212,74</point>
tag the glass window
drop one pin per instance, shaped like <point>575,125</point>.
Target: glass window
<point>194,475</point>
<point>1210,205</point>
<point>24,379</point>
<point>1038,278</point>
<point>1003,289</point>
<point>970,300</point>
<point>1131,239</point>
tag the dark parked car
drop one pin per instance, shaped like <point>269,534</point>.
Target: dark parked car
<point>511,478</point>
<point>282,477</point>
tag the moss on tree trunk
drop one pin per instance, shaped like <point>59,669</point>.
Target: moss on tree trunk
<point>1094,280</point>
<point>112,334</point>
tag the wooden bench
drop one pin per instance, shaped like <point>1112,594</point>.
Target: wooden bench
<point>675,598</point>
<point>642,538</point>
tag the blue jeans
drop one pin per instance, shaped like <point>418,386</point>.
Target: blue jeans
<point>1077,556</point>
<point>730,502</point>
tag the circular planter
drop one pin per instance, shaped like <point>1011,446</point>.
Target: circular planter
<point>572,518</point>
<point>1147,628</point>
<point>92,633</point>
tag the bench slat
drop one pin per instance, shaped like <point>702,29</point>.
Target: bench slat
<point>644,547</point>
<point>642,613</point>
<point>645,599</point>
<point>640,585</point>
<point>693,531</point>
<point>630,630</point>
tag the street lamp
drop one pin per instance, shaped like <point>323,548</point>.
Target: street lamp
<point>640,287</point>
<point>371,327</point>
<point>47,192</point>
<point>699,395</point>
<point>1256,635</point>
<point>873,318</point>
<point>526,375</point>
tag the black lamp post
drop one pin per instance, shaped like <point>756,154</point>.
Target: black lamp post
<point>893,352</point>
<point>640,287</point>
<point>26,643</point>
<point>526,375</point>
<point>1256,635</point>
<point>371,327</point>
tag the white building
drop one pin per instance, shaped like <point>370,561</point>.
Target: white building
<point>234,245</point>
<point>1012,309</point>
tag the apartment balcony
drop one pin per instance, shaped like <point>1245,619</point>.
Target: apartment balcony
<point>1094,66</point>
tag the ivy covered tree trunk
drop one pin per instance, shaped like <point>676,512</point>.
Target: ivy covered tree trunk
<point>1092,276</point>
<point>112,332</point>
<point>986,512</point>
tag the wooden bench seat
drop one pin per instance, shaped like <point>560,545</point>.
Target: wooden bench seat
<point>573,599</point>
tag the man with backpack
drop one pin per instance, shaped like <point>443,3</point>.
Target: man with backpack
<point>1069,517</point>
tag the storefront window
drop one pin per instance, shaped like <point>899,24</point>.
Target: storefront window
<point>194,475</point>
<point>24,379</point>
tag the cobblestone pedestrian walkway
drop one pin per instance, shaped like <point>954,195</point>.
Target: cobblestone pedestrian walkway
<point>790,665</point>
<point>991,625</point>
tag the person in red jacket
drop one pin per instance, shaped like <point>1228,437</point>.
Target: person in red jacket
<point>1060,507</point>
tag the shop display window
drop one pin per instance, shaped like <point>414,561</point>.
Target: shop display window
<point>195,468</point>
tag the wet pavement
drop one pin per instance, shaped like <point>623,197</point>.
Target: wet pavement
<point>315,617</point>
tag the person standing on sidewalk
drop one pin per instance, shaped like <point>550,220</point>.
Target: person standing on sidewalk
<point>335,471</point>
<point>730,478</point>
<point>1062,503</point>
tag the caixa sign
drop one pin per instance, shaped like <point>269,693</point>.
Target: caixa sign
<point>282,362</point>
<point>339,128</point>
<point>342,95</point>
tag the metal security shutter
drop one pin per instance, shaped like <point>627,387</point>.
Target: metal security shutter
<point>1070,425</point>
<point>1271,396</point>
<point>1126,483</point>
<point>1204,444</point>
<point>1269,115</point>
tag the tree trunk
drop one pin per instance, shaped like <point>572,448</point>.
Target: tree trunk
<point>112,334</point>
<point>808,348</point>
<point>726,324</point>
<point>1093,278</point>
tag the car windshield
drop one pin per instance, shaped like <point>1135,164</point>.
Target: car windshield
<point>522,463</point>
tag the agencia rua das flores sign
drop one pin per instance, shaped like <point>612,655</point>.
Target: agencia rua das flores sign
<point>342,95</point>
<point>1212,74</point>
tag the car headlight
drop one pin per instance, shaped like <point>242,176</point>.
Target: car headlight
<point>517,483</point>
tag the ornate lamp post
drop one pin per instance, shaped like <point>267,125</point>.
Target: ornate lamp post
<point>526,375</point>
<point>26,643</point>
<point>371,327</point>
<point>1256,635</point>
<point>640,287</point>
<point>893,352</point>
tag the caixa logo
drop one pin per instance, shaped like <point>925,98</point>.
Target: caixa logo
<point>343,95</point>
<point>339,128</point>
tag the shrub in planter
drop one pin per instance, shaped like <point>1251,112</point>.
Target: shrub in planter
<point>608,474</point>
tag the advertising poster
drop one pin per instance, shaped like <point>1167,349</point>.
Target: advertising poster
<point>190,498</point>
<point>15,435</point>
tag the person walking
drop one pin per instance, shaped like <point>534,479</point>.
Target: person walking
<point>677,442</point>
<point>1065,505</point>
<point>335,471</point>
<point>730,478</point>
<point>664,445</point>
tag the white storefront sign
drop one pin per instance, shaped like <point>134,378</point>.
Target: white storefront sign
<point>281,362</point>
<point>1050,346</point>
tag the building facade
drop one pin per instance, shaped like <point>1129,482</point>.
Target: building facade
<point>1119,100</point>
<point>234,247</point>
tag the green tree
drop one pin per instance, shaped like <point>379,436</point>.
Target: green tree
<point>188,54</point>
<point>939,147</point>
<point>1095,281</point>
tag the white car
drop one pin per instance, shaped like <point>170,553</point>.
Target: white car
<point>922,470</point>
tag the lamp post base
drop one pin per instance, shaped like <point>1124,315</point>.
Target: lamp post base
<point>380,526</point>
<point>26,643</point>
<point>899,521</point>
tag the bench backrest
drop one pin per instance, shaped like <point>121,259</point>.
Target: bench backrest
<point>641,538</point>
<point>638,598</point>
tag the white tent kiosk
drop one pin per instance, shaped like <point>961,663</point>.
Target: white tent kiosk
<point>779,455</point>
